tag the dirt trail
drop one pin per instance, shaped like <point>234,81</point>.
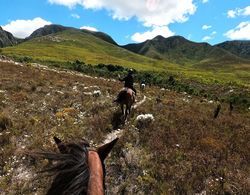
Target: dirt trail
<point>140,102</point>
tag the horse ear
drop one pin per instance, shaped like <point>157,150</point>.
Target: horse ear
<point>57,140</point>
<point>60,145</point>
<point>105,149</point>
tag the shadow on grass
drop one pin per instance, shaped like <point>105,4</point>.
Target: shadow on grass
<point>117,120</point>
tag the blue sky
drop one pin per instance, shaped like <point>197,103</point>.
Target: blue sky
<point>212,21</point>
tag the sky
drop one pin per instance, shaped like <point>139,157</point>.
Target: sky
<point>135,21</point>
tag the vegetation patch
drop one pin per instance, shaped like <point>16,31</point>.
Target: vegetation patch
<point>5,122</point>
<point>184,150</point>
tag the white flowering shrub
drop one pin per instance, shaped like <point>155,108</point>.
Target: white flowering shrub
<point>144,120</point>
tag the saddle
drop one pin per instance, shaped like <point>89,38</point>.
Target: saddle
<point>128,90</point>
<point>123,94</point>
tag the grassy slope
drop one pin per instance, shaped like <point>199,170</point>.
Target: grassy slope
<point>71,45</point>
<point>184,151</point>
<point>197,59</point>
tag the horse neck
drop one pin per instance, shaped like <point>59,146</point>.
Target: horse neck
<point>95,185</point>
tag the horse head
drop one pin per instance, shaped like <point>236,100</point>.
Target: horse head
<point>78,169</point>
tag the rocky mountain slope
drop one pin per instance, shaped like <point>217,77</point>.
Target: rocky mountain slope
<point>179,50</point>
<point>7,39</point>
<point>54,28</point>
<point>239,48</point>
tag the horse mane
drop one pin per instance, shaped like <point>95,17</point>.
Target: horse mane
<point>69,168</point>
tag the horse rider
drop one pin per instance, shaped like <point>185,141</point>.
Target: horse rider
<point>129,80</point>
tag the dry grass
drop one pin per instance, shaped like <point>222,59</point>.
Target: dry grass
<point>183,151</point>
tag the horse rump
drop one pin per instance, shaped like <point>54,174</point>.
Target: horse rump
<point>121,96</point>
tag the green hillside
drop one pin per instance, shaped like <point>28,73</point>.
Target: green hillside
<point>55,28</point>
<point>71,45</point>
<point>200,62</point>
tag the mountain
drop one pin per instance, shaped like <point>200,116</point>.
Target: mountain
<point>175,49</point>
<point>54,28</point>
<point>179,50</point>
<point>239,48</point>
<point>174,55</point>
<point>7,39</point>
<point>101,35</point>
<point>74,44</point>
<point>48,29</point>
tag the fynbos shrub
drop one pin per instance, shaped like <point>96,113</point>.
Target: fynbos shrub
<point>5,122</point>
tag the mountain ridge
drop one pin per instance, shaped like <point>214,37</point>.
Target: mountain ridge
<point>55,28</point>
<point>187,59</point>
<point>176,49</point>
<point>63,44</point>
<point>237,47</point>
<point>74,44</point>
<point>7,39</point>
<point>179,50</point>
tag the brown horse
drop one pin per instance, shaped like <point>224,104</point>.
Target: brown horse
<point>126,97</point>
<point>78,169</point>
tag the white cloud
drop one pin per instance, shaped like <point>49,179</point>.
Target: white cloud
<point>75,16</point>
<point>68,3</point>
<point>231,14</point>
<point>205,27</point>
<point>150,12</point>
<point>205,1</point>
<point>246,11</point>
<point>154,14</point>
<point>214,33</point>
<point>239,12</point>
<point>23,28</point>
<point>89,28</point>
<point>206,38</point>
<point>242,31</point>
<point>209,37</point>
<point>164,31</point>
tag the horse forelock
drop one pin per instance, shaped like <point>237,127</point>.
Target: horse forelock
<point>78,169</point>
<point>71,170</point>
